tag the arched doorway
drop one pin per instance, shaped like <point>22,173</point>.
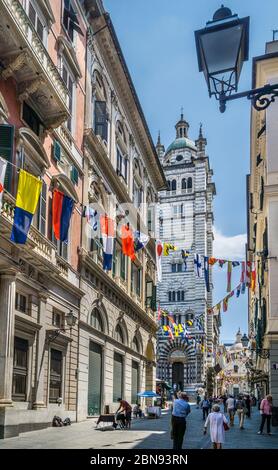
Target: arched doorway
<point>178,376</point>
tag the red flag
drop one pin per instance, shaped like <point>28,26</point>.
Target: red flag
<point>128,242</point>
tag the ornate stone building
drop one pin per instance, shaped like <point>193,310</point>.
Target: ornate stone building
<point>186,218</point>
<point>72,338</point>
<point>262,223</point>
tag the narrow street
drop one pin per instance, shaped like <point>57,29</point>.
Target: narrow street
<point>145,434</point>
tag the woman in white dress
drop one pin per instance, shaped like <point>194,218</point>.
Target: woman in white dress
<point>217,431</point>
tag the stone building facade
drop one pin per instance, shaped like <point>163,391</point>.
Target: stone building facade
<point>52,77</point>
<point>185,218</point>
<point>262,194</point>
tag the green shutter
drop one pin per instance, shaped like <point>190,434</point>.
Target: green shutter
<point>94,379</point>
<point>6,151</point>
<point>74,175</point>
<point>57,151</point>
<point>134,382</point>
<point>117,377</point>
<point>153,300</point>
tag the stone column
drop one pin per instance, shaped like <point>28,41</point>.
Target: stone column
<point>40,354</point>
<point>7,306</point>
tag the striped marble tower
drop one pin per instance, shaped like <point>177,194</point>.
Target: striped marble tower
<point>185,219</point>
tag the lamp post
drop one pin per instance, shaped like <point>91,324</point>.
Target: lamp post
<point>222,47</point>
<point>70,319</point>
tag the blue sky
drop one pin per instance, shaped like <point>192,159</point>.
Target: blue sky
<point>157,39</point>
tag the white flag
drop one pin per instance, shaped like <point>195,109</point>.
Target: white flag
<point>3,167</point>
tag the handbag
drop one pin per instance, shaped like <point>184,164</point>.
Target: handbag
<point>225,426</point>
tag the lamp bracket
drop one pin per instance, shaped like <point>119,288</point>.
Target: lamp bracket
<point>260,97</point>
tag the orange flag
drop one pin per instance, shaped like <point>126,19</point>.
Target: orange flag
<point>128,242</point>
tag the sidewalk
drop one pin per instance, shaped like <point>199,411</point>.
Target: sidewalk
<point>144,434</point>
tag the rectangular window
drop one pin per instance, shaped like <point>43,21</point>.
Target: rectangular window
<point>101,122</point>
<point>36,20</point>
<point>149,293</point>
<point>55,385</point>
<point>20,369</point>
<point>70,20</point>
<point>123,266</point>
<point>174,268</point>
<point>21,302</point>
<point>179,266</point>
<point>57,319</point>
<point>170,296</point>
<point>6,151</point>
<point>39,219</point>
<point>178,296</point>
<point>117,377</point>
<point>57,151</point>
<point>74,175</point>
<point>32,119</point>
<point>69,82</point>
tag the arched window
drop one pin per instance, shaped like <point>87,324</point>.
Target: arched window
<point>170,296</point>
<point>119,334</point>
<point>183,183</point>
<point>174,185</point>
<point>174,296</point>
<point>96,320</point>
<point>178,296</point>
<point>182,295</point>
<point>168,185</point>
<point>135,345</point>
<point>189,184</point>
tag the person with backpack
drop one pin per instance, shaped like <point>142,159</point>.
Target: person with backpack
<point>231,402</point>
<point>205,405</point>
<point>241,410</point>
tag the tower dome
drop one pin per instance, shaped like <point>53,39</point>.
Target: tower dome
<point>181,141</point>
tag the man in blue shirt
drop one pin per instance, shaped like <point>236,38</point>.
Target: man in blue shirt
<point>181,409</point>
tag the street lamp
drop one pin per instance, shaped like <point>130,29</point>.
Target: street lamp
<point>222,47</point>
<point>71,320</point>
<point>245,341</point>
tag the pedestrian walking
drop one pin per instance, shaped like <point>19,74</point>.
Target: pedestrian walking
<point>205,407</point>
<point>216,422</point>
<point>231,402</point>
<point>181,409</point>
<point>224,400</point>
<point>266,412</point>
<point>241,410</point>
<point>248,406</point>
<point>198,399</point>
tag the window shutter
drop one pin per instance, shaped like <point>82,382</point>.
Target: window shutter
<point>101,127</point>
<point>40,28</point>
<point>134,382</point>
<point>32,14</point>
<point>57,151</point>
<point>117,377</point>
<point>6,151</point>
<point>42,209</point>
<point>74,174</point>
<point>153,301</point>
<point>125,168</point>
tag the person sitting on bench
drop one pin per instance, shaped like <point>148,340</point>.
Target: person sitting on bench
<point>137,411</point>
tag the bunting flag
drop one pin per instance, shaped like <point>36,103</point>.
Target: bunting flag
<point>238,290</point>
<point>221,262</point>
<point>62,207</point>
<point>235,263</point>
<point>167,247</point>
<point>212,261</point>
<point>184,255</point>
<point>140,240</point>
<point>158,313</point>
<point>28,193</point>
<point>206,271</point>
<point>159,251</point>
<point>248,273</point>
<point>199,324</point>
<point>3,167</point>
<point>197,265</point>
<point>243,277</point>
<point>107,228</point>
<point>189,322</point>
<point>229,276</point>
<point>225,304</point>
<point>128,242</point>
<point>92,217</point>
<point>253,280</point>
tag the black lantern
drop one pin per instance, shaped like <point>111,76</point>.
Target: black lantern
<point>244,341</point>
<point>71,319</point>
<point>222,47</point>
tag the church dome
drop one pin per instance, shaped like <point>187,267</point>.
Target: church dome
<point>181,143</point>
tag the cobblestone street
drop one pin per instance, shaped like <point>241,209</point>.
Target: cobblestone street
<point>145,434</point>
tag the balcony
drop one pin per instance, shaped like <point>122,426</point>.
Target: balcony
<point>24,57</point>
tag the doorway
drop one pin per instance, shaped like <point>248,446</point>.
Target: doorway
<point>178,376</point>
<point>95,379</point>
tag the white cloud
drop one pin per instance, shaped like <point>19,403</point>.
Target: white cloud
<point>229,247</point>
